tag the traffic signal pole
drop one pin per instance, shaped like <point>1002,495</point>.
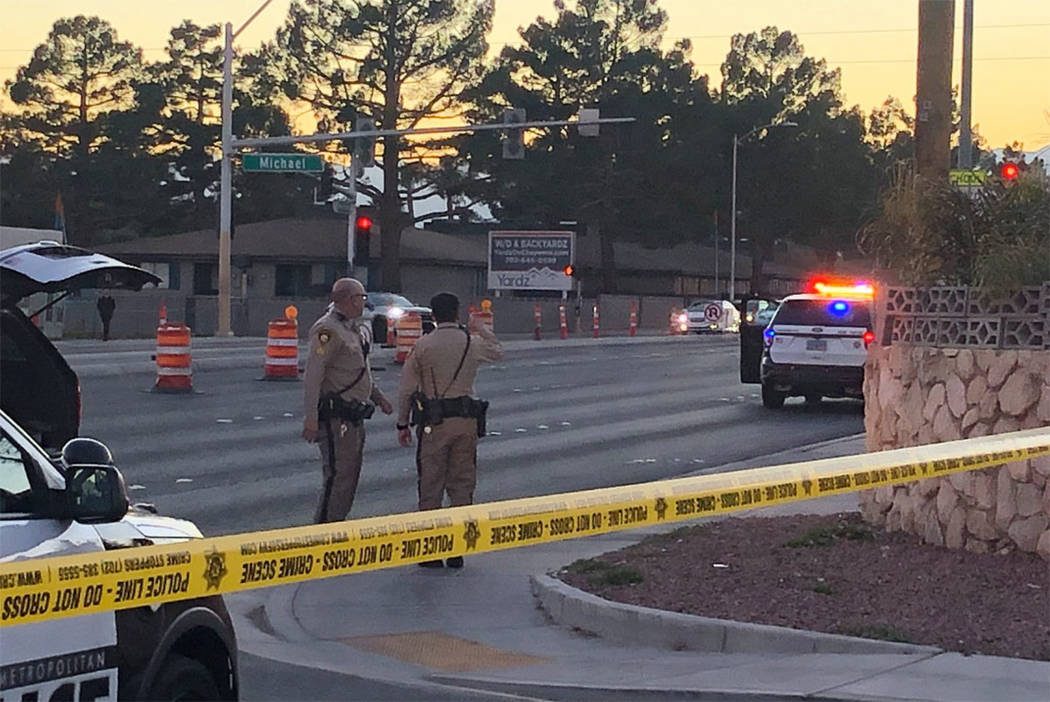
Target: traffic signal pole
<point>351,223</point>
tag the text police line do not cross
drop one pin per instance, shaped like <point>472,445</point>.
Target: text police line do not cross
<point>41,589</point>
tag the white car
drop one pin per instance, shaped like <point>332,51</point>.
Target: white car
<point>383,306</point>
<point>716,316</point>
<point>61,495</point>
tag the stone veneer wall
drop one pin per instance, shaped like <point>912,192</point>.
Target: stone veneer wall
<point>920,395</point>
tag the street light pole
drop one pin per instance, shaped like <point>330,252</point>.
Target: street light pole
<point>732,216</point>
<point>4,160</point>
<point>223,327</point>
<point>732,231</point>
<point>226,186</point>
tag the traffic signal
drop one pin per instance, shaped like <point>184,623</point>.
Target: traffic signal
<point>1009,171</point>
<point>514,139</point>
<point>362,238</point>
<point>569,270</point>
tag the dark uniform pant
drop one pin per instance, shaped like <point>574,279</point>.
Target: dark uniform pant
<point>340,476</point>
<point>446,461</point>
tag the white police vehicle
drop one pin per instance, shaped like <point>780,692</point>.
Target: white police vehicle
<point>61,495</point>
<point>814,345</point>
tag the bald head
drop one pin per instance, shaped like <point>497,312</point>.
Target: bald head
<point>348,295</point>
<point>344,288</point>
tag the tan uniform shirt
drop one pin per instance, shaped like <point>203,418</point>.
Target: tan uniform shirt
<point>335,359</point>
<point>433,361</point>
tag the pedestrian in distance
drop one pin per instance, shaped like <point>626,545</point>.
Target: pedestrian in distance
<point>105,305</point>
<point>339,395</point>
<point>436,395</point>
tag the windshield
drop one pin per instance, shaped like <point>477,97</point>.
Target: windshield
<point>824,313</point>
<point>388,300</point>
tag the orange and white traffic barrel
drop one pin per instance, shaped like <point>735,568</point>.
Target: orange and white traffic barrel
<point>538,317</point>
<point>484,314</point>
<point>391,333</point>
<point>563,328</point>
<point>409,330</point>
<point>282,350</point>
<point>596,333</point>
<point>174,372</point>
<point>632,327</point>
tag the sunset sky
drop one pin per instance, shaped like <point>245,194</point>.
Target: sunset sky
<point>873,43</point>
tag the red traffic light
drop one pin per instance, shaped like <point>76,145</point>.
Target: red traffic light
<point>364,224</point>
<point>569,270</point>
<point>1010,171</point>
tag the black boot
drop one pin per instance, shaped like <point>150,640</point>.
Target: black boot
<point>454,562</point>
<point>432,564</point>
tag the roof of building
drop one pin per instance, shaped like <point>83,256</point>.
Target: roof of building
<point>314,240</point>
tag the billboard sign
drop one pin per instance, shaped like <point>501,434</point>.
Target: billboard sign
<point>530,260</point>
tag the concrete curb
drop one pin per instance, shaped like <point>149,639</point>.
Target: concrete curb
<point>631,624</point>
<point>559,692</point>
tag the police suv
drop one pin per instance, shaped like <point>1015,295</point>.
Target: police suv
<point>814,345</point>
<point>62,495</point>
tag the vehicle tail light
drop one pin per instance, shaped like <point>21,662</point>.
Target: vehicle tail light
<point>869,337</point>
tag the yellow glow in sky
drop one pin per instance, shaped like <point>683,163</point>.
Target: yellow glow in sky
<point>874,43</point>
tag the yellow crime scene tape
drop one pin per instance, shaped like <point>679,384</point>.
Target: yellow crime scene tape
<point>38,589</point>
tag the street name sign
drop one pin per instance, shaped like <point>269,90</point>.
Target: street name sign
<point>282,163</point>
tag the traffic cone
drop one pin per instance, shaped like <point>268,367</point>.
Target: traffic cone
<point>633,325</point>
<point>596,334</point>
<point>538,334</point>
<point>563,328</point>
<point>163,313</point>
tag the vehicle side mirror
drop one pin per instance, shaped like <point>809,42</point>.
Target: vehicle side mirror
<point>95,493</point>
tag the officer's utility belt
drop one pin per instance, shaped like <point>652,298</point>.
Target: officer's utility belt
<point>331,406</point>
<point>432,411</point>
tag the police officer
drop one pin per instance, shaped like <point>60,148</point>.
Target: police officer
<point>339,395</point>
<point>438,381</point>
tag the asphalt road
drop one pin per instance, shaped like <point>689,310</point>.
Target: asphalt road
<point>229,456</point>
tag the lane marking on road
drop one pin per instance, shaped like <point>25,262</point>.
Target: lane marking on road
<point>542,426</point>
<point>183,480</point>
<point>495,433</point>
<point>521,430</point>
<point>288,414</point>
<point>257,418</point>
<point>224,421</point>
<point>566,424</point>
<point>136,486</point>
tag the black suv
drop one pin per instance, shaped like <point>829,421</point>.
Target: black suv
<point>179,650</point>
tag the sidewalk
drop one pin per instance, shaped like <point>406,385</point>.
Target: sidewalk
<point>480,629</point>
<point>93,358</point>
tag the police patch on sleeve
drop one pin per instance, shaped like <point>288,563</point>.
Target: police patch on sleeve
<point>322,338</point>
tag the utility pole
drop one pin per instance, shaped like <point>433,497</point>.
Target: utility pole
<point>965,135</point>
<point>223,327</point>
<point>933,88</point>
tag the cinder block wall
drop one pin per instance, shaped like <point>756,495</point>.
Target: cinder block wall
<point>918,395</point>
